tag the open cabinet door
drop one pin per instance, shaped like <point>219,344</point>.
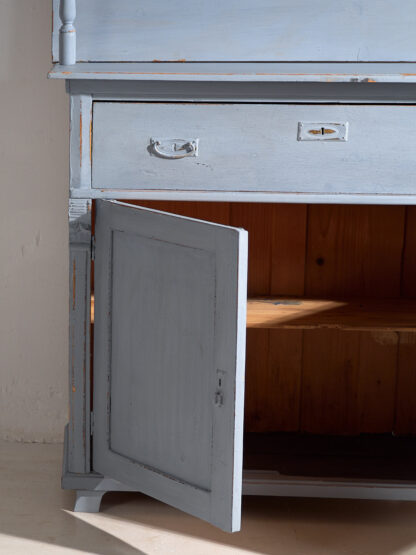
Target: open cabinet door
<point>169,353</point>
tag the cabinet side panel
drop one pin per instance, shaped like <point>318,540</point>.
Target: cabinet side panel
<point>79,339</point>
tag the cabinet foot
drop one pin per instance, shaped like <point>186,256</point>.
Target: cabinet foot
<point>88,501</point>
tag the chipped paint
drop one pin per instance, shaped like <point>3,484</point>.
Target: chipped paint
<point>357,72</point>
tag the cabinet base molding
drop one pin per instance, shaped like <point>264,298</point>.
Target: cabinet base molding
<point>274,484</point>
<point>92,486</point>
<point>255,483</point>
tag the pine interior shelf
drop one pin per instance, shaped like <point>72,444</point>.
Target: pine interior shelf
<point>354,315</point>
<point>359,315</point>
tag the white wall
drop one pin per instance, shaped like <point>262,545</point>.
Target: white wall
<point>33,228</point>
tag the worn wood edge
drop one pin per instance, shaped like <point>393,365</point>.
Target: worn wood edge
<point>393,72</point>
<point>242,196</point>
<point>80,148</point>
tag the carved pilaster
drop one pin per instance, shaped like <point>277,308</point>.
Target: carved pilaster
<point>79,215</point>
<point>79,335</point>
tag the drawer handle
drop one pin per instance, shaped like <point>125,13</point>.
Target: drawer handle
<point>175,148</point>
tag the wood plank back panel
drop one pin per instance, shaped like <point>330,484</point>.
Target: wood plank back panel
<point>276,264</point>
<point>354,251</point>
<point>325,381</point>
<point>406,385</point>
<point>349,377</point>
<point>288,236</point>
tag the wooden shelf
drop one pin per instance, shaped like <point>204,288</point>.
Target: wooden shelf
<point>359,315</point>
<point>300,313</point>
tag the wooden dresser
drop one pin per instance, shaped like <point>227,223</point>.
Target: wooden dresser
<point>242,250</point>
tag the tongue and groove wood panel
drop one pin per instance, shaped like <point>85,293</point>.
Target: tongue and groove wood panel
<point>241,30</point>
<point>353,251</point>
<point>273,368</point>
<point>325,381</point>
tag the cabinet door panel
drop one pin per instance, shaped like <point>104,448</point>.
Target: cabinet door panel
<point>170,296</point>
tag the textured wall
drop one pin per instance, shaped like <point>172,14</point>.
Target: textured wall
<point>33,228</point>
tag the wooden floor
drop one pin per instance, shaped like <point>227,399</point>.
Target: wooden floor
<point>346,369</point>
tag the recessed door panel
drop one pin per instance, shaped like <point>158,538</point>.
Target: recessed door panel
<point>170,295</point>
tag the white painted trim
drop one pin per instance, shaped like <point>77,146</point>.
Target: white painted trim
<point>273,484</point>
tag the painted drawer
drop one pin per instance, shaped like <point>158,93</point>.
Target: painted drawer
<point>368,149</point>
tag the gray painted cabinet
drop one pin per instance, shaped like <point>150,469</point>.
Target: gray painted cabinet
<point>277,102</point>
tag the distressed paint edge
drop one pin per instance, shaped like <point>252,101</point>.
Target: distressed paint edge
<point>243,196</point>
<point>390,72</point>
<point>80,141</point>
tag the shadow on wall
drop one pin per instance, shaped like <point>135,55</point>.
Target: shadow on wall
<point>33,228</point>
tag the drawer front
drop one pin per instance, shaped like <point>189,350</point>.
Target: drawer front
<point>326,149</point>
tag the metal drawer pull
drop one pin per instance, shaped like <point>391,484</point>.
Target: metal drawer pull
<point>175,148</point>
